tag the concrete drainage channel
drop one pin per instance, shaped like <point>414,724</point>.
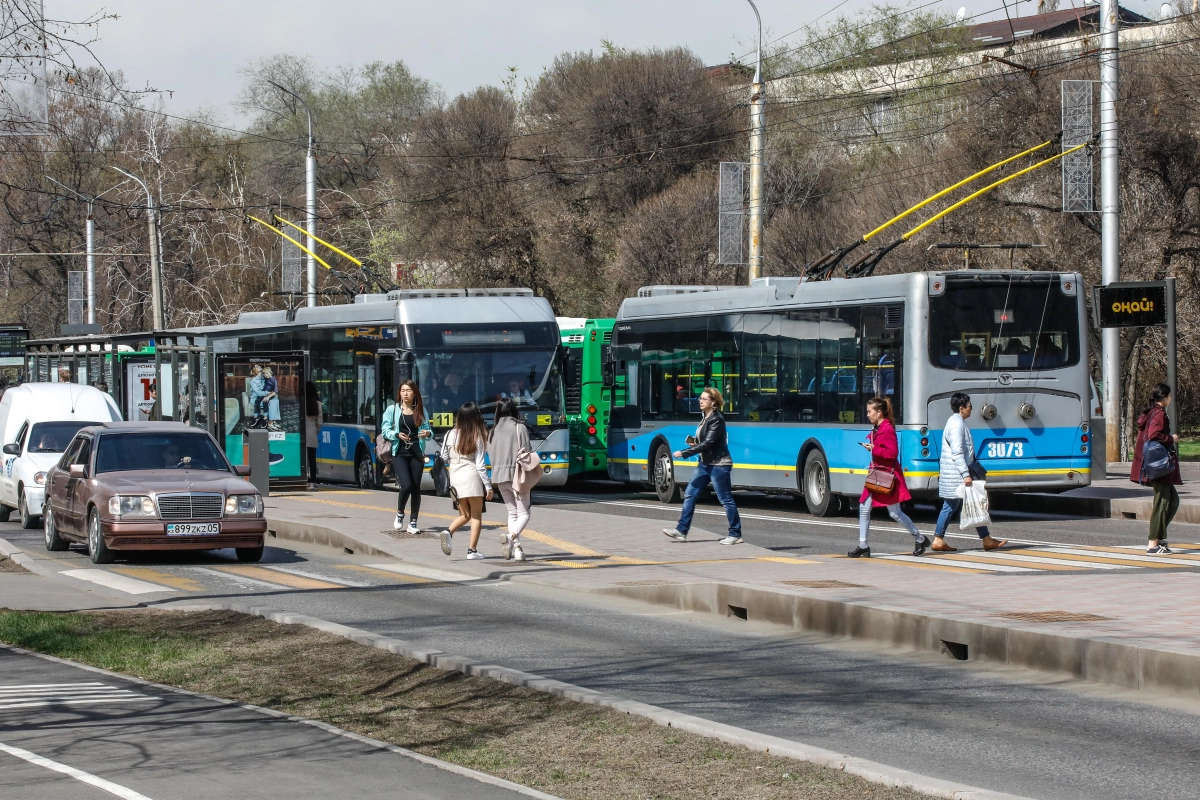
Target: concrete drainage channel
<point>1095,660</point>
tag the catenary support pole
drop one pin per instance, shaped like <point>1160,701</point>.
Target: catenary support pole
<point>310,201</point>
<point>758,135</point>
<point>1173,409</point>
<point>90,236</point>
<point>1110,257</point>
<point>156,288</point>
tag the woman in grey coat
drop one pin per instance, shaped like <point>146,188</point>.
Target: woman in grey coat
<point>954,471</point>
<point>509,437</point>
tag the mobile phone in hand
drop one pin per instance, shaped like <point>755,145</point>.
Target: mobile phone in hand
<point>690,439</point>
<point>864,445</point>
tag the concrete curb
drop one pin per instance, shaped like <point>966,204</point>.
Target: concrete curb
<point>867,770</point>
<point>1098,660</point>
<point>9,549</point>
<point>482,777</point>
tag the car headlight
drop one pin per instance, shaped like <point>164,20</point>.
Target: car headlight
<point>123,505</point>
<point>40,479</point>
<point>243,504</point>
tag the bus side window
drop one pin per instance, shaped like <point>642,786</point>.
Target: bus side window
<point>881,350</point>
<point>725,362</point>
<point>839,367</point>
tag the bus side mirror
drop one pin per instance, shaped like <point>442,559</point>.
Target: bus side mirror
<point>404,366</point>
<point>608,373</point>
<point>568,368</point>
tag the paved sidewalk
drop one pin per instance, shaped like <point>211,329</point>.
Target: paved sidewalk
<point>1082,611</point>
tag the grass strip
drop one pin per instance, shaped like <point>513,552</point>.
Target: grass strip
<point>545,742</point>
<point>8,565</point>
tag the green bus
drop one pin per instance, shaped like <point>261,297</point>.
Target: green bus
<point>588,401</point>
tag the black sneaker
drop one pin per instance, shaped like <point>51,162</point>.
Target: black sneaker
<point>920,547</point>
<point>860,552</point>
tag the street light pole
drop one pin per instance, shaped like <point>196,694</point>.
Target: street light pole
<point>90,239</point>
<point>1110,258</point>
<point>758,134</point>
<point>310,189</point>
<point>156,293</point>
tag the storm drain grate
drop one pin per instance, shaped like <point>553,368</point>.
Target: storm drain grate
<point>648,583</point>
<point>1053,616</point>
<point>825,585</point>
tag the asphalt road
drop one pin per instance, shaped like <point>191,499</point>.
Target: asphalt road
<point>70,734</point>
<point>999,728</point>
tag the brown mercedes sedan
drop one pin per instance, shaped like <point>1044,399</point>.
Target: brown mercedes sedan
<point>150,486</point>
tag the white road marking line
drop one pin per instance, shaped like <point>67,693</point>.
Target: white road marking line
<point>961,563</point>
<point>1078,551</point>
<point>315,577</point>
<point>426,572</point>
<point>114,789</point>
<point>57,694</point>
<point>240,580</point>
<point>66,702</point>
<point>1014,556</point>
<point>792,520</point>
<point>112,580</point>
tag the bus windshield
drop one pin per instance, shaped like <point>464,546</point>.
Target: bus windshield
<point>1003,323</point>
<point>450,378</point>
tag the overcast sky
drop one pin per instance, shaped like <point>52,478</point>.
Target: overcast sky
<point>195,48</point>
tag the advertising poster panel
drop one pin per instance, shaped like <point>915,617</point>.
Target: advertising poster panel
<point>264,392</point>
<point>139,377</point>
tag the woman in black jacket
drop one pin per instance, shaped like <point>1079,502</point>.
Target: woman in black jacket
<point>712,445</point>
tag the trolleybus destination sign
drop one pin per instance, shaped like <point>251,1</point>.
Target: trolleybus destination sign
<point>1126,305</point>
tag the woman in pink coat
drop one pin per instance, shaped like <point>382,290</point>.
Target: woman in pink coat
<point>885,455</point>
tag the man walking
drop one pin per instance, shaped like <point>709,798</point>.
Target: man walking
<point>715,467</point>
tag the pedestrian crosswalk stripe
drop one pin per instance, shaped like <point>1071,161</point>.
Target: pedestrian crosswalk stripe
<point>284,579</point>
<point>111,580</point>
<point>304,574</point>
<point>380,573</point>
<point>155,576</point>
<point>57,694</point>
<point>979,565</point>
<point>1017,560</point>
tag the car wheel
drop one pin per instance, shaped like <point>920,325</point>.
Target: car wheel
<point>97,550</point>
<point>28,521</point>
<point>364,472</point>
<point>817,493</point>
<point>5,513</point>
<point>54,542</point>
<point>664,475</point>
<point>250,555</point>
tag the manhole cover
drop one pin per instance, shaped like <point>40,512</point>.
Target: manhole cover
<point>825,584</point>
<point>1053,616</point>
<point>648,583</point>
<point>395,534</point>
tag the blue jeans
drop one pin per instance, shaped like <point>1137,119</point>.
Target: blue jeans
<point>950,507</point>
<point>719,476</point>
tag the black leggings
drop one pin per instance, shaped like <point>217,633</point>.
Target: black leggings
<point>409,470</point>
<point>312,464</point>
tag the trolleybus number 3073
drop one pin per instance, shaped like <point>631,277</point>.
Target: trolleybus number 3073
<point>1005,449</point>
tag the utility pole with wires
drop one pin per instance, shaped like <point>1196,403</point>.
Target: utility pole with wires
<point>1110,256</point>
<point>310,200</point>
<point>90,239</point>
<point>758,135</point>
<point>156,287</point>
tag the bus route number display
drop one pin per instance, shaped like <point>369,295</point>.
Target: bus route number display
<point>1130,305</point>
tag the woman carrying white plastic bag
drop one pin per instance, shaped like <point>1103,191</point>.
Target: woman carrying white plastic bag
<point>975,512</point>
<point>954,474</point>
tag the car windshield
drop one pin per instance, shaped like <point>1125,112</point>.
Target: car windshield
<point>53,437</point>
<point>124,452</point>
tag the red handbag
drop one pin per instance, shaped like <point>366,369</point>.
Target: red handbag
<point>880,480</point>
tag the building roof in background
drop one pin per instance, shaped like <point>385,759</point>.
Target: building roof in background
<point>1054,25</point>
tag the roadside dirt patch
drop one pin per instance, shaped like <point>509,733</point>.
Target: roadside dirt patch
<point>565,748</point>
<point>8,565</point>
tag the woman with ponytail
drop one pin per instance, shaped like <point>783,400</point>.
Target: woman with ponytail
<point>885,458</point>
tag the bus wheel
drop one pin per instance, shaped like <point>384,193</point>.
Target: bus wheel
<point>664,475</point>
<point>821,500</point>
<point>363,472</point>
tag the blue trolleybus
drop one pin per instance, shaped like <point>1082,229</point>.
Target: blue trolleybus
<point>458,345</point>
<point>798,361</point>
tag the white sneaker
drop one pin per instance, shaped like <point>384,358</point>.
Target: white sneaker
<point>474,555</point>
<point>676,535</point>
<point>398,524</point>
<point>447,539</point>
<point>517,553</point>
<point>412,527</point>
<point>731,540</point>
<point>509,546</point>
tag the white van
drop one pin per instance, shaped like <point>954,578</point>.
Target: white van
<point>37,422</point>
